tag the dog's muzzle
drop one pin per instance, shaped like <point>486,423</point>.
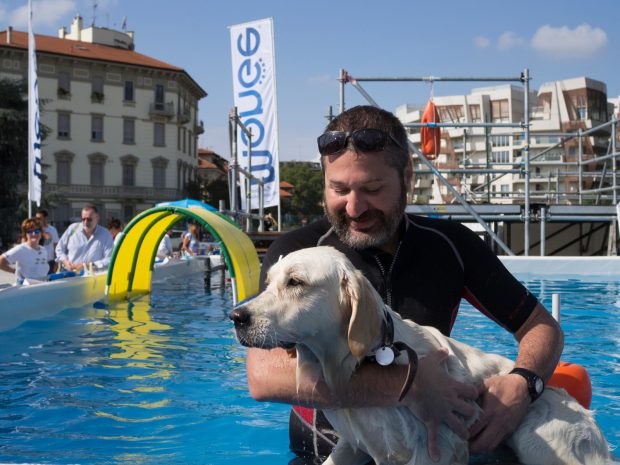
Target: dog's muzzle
<point>242,319</point>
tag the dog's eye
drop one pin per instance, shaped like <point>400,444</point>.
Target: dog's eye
<point>294,282</point>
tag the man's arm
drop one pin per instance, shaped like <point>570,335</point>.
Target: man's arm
<point>506,398</point>
<point>434,396</point>
<point>61,248</point>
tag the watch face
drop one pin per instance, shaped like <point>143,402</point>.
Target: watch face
<point>538,384</point>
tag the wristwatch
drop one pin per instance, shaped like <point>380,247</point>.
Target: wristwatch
<point>535,384</point>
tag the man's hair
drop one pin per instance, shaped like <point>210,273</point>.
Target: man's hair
<point>90,206</point>
<point>366,116</point>
<point>43,212</point>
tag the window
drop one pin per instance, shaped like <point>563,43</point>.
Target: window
<point>96,173</point>
<point>63,166</point>
<point>128,94</point>
<point>129,131</point>
<point>500,141</point>
<point>129,163</point>
<point>64,84</point>
<point>475,113</point>
<point>505,190</point>
<point>64,125</point>
<point>129,174</point>
<point>159,97</point>
<point>128,213</point>
<point>581,106</point>
<point>96,128</point>
<point>499,111</point>
<point>97,89</point>
<point>159,134</point>
<point>159,172</point>
<point>184,140</point>
<point>502,156</point>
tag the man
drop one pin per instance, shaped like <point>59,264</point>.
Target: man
<point>164,249</point>
<point>85,243</point>
<point>421,267</point>
<point>50,238</point>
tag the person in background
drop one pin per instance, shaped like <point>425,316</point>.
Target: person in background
<point>165,250</point>
<point>114,226</point>
<point>28,258</point>
<point>191,245</point>
<point>422,267</point>
<point>49,238</point>
<point>85,243</point>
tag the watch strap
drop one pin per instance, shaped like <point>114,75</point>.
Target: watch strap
<point>532,379</point>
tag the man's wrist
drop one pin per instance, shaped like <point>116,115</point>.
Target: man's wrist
<point>534,383</point>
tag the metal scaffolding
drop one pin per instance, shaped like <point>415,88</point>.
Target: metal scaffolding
<point>526,213</point>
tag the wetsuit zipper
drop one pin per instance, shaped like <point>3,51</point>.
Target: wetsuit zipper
<point>387,276</point>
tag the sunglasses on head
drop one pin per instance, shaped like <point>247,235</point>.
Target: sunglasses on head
<point>33,231</point>
<point>364,140</point>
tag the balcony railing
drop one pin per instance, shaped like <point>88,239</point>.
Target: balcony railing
<point>161,109</point>
<point>113,192</point>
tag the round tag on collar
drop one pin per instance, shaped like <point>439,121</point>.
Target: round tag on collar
<point>384,356</point>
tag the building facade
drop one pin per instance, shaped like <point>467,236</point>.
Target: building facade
<point>123,126</point>
<point>484,164</point>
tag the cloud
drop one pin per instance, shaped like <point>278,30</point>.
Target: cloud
<point>481,42</point>
<point>45,13</point>
<point>563,42</point>
<point>509,40</point>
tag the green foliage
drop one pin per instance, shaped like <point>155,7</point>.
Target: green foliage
<point>307,179</point>
<point>215,191</point>
<point>13,156</point>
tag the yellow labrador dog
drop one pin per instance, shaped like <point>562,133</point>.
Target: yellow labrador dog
<point>317,301</point>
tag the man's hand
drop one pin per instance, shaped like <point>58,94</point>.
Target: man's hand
<point>504,404</point>
<point>436,397</point>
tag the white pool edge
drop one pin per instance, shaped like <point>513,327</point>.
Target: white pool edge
<point>564,266</point>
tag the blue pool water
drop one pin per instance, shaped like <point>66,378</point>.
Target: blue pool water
<point>164,382</point>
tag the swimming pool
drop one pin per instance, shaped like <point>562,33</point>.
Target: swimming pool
<point>164,382</point>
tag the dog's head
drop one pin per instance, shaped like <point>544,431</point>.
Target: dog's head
<point>313,297</point>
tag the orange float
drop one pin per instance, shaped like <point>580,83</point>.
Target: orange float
<point>575,379</point>
<point>430,137</point>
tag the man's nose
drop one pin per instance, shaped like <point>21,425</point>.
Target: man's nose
<point>356,204</point>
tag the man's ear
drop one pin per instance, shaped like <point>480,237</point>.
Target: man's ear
<point>366,313</point>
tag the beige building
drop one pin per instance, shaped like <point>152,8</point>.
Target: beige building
<point>557,109</point>
<point>124,126</point>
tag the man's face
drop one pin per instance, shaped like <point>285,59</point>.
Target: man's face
<point>42,219</point>
<point>89,219</point>
<point>364,199</point>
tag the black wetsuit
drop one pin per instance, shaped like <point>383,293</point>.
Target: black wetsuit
<point>438,262</point>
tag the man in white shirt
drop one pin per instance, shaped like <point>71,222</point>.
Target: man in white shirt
<point>50,238</point>
<point>85,242</point>
<point>165,246</point>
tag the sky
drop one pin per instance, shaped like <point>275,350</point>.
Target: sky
<point>314,39</point>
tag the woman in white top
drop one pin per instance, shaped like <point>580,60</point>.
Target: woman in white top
<point>28,258</point>
<point>191,245</point>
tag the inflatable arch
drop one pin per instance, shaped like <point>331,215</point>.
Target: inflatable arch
<point>131,266</point>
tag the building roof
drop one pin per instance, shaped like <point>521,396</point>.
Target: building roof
<point>286,185</point>
<point>89,51</point>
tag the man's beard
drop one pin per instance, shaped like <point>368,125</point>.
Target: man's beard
<point>382,232</point>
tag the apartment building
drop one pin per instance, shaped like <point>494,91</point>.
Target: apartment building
<point>557,110</point>
<point>124,126</point>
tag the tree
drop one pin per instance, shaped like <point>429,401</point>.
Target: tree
<point>13,156</point>
<point>216,190</point>
<point>307,179</point>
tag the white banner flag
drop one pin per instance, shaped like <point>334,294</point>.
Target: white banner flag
<point>254,86</point>
<point>34,120</point>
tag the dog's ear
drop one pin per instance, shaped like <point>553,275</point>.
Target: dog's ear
<point>366,313</point>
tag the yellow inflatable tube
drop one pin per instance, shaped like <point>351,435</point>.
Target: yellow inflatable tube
<point>131,266</point>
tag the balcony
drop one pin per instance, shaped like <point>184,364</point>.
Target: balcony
<point>183,116</point>
<point>199,128</point>
<point>161,109</point>
<point>113,193</point>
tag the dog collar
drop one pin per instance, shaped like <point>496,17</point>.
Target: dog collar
<point>388,350</point>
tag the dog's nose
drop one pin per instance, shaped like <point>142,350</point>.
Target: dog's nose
<point>240,316</point>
